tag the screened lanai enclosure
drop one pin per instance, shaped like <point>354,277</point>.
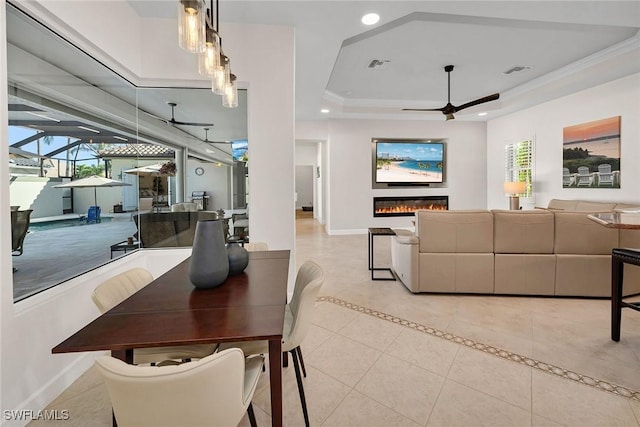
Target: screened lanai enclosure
<point>71,117</point>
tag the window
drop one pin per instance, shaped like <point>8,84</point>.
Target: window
<point>519,163</point>
<point>70,115</point>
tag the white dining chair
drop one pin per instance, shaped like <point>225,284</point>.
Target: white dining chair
<point>214,391</point>
<point>297,320</point>
<point>113,291</point>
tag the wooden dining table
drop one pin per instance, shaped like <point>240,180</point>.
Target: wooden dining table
<point>171,311</point>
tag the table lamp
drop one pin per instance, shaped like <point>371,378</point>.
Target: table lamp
<point>513,189</point>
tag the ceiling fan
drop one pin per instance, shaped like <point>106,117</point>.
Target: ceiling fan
<point>174,122</point>
<point>449,109</point>
<point>206,138</point>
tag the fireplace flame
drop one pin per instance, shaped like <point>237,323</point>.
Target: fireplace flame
<point>409,208</point>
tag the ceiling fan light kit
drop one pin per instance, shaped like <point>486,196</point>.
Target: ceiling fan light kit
<point>197,34</point>
<point>449,110</point>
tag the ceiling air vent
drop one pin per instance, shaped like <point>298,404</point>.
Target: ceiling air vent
<point>375,63</point>
<point>517,69</point>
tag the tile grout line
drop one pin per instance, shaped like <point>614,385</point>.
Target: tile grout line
<point>503,354</point>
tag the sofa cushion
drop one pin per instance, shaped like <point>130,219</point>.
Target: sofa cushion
<point>580,275</point>
<point>580,205</point>
<point>455,231</point>
<point>461,273</point>
<point>523,232</point>
<point>562,205</point>
<point>525,274</point>
<point>586,206</point>
<point>576,234</point>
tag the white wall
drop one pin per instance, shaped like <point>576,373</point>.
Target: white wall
<point>546,121</point>
<point>350,178</point>
<point>214,180</point>
<point>37,193</point>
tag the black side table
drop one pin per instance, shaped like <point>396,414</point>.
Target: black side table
<point>379,232</point>
<point>124,246</point>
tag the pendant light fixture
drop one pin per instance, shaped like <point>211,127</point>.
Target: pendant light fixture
<point>198,34</point>
<point>221,75</point>
<point>230,96</point>
<point>191,25</point>
<point>210,57</point>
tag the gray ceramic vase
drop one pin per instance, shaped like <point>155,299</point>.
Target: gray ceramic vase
<point>209,265</point>
<point>238,258</point>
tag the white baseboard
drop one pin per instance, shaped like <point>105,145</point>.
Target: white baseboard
<point>49,391</point>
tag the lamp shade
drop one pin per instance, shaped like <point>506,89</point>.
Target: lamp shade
<point>191,25</point>
<point>230,96</point>
<point>516,187</point>
<point>210,57</point>
<point>221,76</point>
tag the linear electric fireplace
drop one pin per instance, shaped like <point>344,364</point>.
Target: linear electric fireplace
<point>406,206</point>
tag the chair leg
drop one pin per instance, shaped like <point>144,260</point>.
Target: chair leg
<point>252,416</point>
<point>617,275</point>
<point>303,401</point>
<point>304,371</point>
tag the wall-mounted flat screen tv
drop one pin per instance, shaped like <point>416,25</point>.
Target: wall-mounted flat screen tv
<point>239,150</point>
<point>409,162</point>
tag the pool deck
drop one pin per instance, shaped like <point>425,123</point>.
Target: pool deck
<point>52,256</point>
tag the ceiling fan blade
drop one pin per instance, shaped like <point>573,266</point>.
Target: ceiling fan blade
<point>478,101</point>
<point>423,109</point>
<point>175,122</point>
<point>218,142</point>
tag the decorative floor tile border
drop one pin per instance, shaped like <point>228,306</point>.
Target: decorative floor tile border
<point>504,354</point>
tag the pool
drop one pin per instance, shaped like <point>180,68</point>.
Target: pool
<point>60,223</point>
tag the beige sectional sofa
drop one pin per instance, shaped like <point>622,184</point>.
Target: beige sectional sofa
<point>553,251</point>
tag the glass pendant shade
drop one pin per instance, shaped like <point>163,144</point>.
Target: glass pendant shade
<point>230,96</point>
<point>191,25</point>
<point>221,76</point>
<point>210,57</point>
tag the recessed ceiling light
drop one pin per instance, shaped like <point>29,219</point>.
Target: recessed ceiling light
<point>324,110</point>
<point>482,114</point>
<point>370,18</point>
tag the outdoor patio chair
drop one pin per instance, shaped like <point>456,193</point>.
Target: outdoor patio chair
<point>584,177</point>
<point>20,221</point>
<point>567,179</point>
<point>93,215</point>
<point>605,176</point>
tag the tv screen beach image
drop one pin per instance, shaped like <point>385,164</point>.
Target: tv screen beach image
<point>409,162</point>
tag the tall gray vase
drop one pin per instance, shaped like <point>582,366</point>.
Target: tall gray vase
<point>209,265</point>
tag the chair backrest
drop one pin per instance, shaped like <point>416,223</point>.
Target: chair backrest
<point>207,392</point>
<point>20,221</point>
<point>583,170</point>
<point>113,291</point>
<point>93,215</point>
<point>256,246</point>
<point>604,168</point>
<point>308,283</point>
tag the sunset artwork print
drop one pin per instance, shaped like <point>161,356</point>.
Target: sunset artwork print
<point>591,154</point>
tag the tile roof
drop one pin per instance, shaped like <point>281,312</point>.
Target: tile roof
<point>139,150</point>
<point>17,161</point>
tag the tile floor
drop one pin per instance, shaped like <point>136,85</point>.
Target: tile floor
<point>377,355</point>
